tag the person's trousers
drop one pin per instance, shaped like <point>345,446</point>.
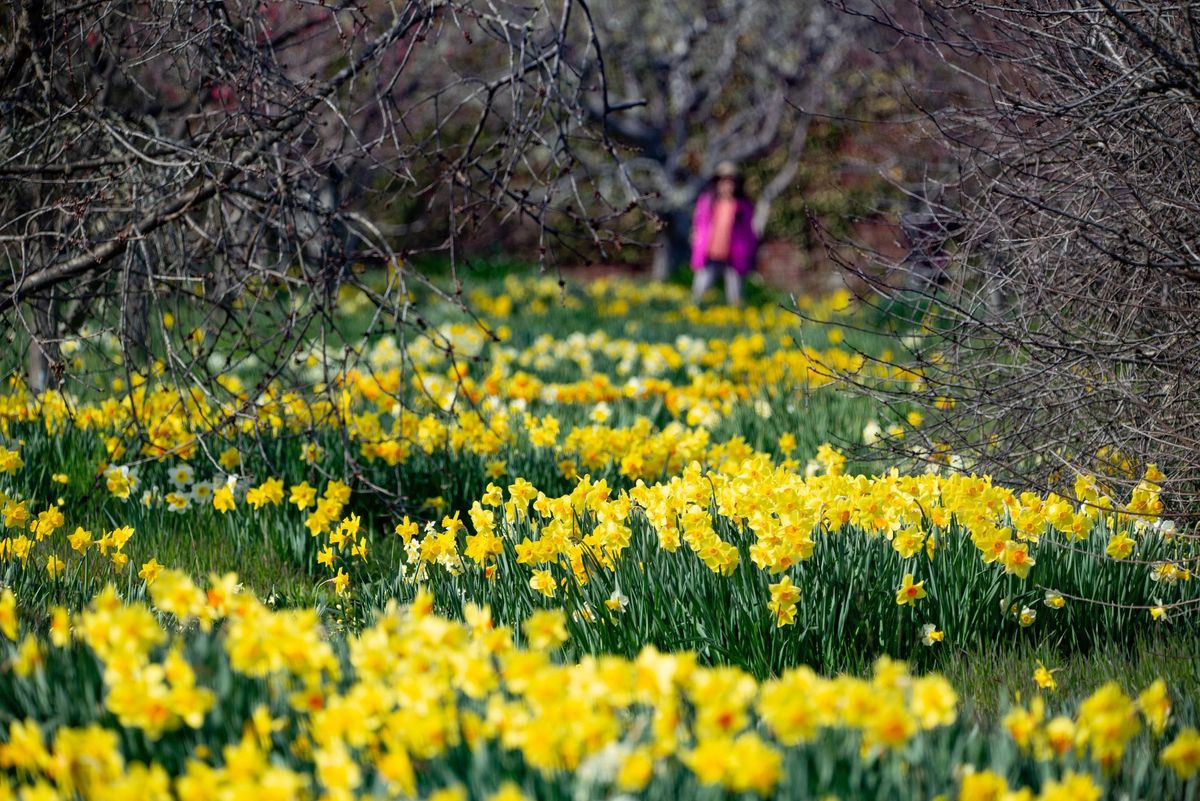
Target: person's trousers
<point>704,280</point>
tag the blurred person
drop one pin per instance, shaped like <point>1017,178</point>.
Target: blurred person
<point>723,238</point>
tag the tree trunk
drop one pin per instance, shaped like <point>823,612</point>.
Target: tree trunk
<point>45,368</point>
<point>135,313</point>
<point>673,249</point>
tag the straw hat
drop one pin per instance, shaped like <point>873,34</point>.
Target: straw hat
<point>727,169</point>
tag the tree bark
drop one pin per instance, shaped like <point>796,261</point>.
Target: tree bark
<point>673,249</point>
<point>45,369</point>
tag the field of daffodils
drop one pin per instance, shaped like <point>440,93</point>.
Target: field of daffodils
<point>598,543</point>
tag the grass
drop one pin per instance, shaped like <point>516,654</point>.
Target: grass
<point>994,676</point>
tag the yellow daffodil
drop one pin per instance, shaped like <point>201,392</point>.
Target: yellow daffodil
<point>910,592</point>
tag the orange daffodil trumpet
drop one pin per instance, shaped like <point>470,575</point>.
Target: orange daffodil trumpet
<point>910,592</point>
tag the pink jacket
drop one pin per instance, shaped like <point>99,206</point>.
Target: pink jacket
<point>743,245</point>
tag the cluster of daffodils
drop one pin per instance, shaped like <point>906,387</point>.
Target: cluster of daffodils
<point>143,692</point>
<point>30,535</point>
<point>786,515</point>
<point>782,513</point>
<point>418,687</point>
<point>616,298</point>
<point>686,375</point>
<point>1105,724</point>
<point>184,491</point>
<point>461,389</point>
<point>415,692</point>
<point>24,531</point>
